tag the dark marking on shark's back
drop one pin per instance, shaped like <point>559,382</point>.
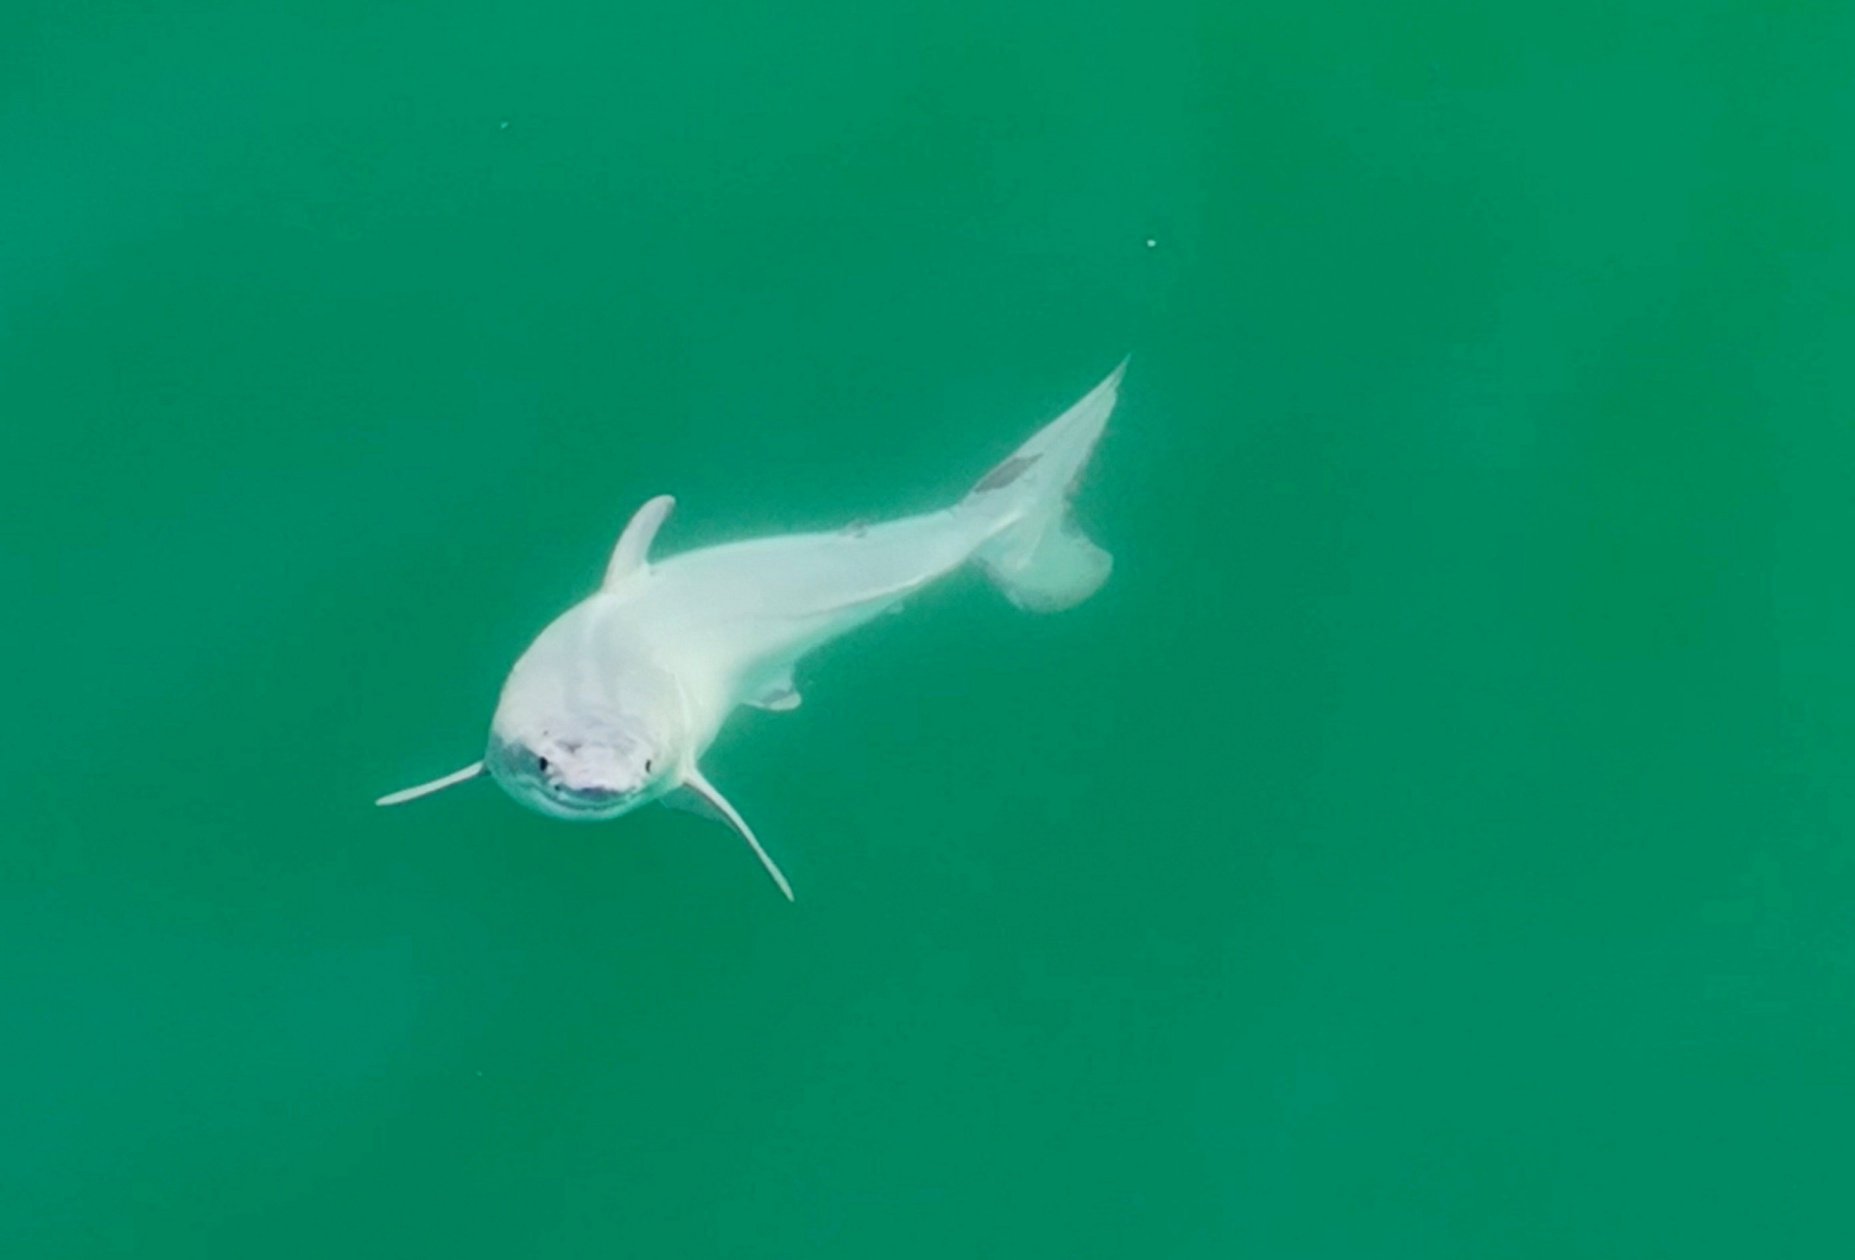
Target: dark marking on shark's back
<point>1005,473</point>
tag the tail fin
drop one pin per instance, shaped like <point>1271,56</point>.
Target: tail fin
<point>1038,557</point>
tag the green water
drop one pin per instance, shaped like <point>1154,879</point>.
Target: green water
<point>1434,841</point>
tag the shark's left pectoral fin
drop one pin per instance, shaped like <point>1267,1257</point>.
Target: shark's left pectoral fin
<point>632,555</point>
<point>704,799</point>
<point>436,785</point>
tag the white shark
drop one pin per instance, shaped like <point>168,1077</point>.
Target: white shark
<point>614,704</point>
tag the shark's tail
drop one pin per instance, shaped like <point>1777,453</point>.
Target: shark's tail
<point>1038,557</point>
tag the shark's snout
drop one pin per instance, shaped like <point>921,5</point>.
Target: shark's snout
<point>574,779</point>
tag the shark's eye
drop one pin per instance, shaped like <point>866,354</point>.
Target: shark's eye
<point>541,764</point>
<point>647,765</point>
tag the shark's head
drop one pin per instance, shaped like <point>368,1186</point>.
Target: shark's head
<point>587,727</point>
<point>587,775</point>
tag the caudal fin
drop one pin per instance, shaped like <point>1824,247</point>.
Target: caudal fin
<point>1039,557</point>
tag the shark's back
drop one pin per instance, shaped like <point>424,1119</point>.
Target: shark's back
<point>777,598</point>
<point>765,602</point>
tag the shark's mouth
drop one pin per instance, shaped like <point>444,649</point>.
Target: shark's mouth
<point>574,804</point>
<point>589,803</point>
<point>543,785</point>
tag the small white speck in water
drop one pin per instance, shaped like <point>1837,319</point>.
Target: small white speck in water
<point>1150,242</point>
<point>503,125</point>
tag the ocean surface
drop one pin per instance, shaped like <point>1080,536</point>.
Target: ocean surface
<point>1435,841</point>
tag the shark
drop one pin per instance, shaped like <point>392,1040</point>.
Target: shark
<point>615,702</point>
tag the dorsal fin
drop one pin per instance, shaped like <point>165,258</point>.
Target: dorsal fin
<point>632,554</point>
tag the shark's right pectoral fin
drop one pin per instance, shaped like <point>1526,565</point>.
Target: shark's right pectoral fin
<point>400,797</point>
<point>701,797</point>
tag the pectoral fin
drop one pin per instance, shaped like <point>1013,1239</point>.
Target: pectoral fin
<point>632,555</point>
<point>706,800</point>
<point>436,785</point>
